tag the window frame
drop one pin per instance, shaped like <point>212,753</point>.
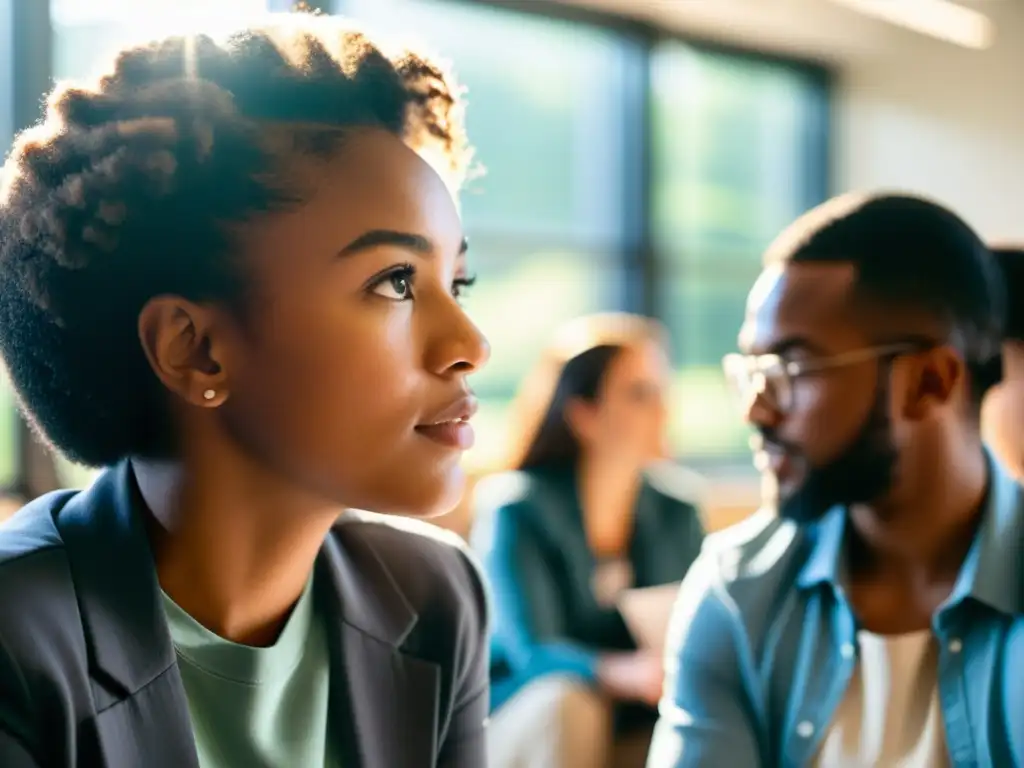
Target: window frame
<point>636,183</point>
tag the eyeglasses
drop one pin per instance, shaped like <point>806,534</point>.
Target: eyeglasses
<point>771,377</point>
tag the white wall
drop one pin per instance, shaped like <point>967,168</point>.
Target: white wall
<point>911,112</point>
<point>943,120</point>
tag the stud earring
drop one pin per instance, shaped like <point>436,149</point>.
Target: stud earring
<point>209,394</point>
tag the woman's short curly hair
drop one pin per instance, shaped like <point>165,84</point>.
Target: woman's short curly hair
<point>130,188</point>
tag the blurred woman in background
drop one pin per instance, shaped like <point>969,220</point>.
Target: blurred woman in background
<point>576,523</point>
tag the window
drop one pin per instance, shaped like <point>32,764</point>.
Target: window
<point>23,29</point>
<point>8,413</point>
<point>736,145</point>
<point>547,105</point>
<point>7,83</point>
<point>738,150</point>
<point>9,433</point>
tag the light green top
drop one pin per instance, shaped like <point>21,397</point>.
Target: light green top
<point>257,706</point>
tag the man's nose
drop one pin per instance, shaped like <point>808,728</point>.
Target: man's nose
<point>760,409</point>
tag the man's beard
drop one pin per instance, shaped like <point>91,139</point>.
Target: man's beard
<point>863,472</point>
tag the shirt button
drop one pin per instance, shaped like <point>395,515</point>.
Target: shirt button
<point>805,729</point>
<point>955,645</point>
<point>846,650</point>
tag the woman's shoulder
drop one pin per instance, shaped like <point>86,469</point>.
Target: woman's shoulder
<point>31,530</point>
<point>520,490</point>
<point>509,487</point>
<point>432,567</point>
<point>33,559</point>
<point>41,636</point>
<point>406,533</point>
<point>510,505</point>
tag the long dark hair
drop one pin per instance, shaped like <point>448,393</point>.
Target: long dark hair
<point>573,367</point>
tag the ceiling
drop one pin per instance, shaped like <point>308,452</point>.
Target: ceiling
<point>817,29</point>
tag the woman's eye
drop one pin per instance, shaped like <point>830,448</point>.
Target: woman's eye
<point>396,286</point>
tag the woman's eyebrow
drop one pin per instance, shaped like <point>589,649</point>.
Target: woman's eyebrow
<point>407,240</point>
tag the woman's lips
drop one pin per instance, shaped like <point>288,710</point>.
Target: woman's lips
<point>457,434</point>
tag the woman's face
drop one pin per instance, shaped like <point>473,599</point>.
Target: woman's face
<point>629,419</point>
<point>359,346</point>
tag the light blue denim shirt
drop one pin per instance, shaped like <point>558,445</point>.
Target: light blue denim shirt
<point>763,645</point>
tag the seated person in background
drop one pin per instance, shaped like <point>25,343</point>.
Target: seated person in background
<point>566,534</point>
<point>876,617</point>
<point>1002,413</point>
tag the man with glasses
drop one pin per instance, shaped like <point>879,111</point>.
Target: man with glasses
<point>874,614</point>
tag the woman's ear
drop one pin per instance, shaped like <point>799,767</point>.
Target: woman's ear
<point>179,341</point>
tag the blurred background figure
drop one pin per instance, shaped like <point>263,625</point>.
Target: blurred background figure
<point>1002,413</point>
<point>573,528</point>
<point>824,630</point>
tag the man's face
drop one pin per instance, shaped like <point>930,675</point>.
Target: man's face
<point>824,437</point>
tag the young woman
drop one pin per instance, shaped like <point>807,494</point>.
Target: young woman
<point>583,519</point>
<point>231,271</point>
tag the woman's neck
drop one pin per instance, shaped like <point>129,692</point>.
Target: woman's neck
<point>234,553</point>
<point>608,492</point>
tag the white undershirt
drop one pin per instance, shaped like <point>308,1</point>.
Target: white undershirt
<point>890,715</point>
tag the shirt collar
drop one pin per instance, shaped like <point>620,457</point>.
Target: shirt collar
<point>993,571</point>
<point>825,561</point>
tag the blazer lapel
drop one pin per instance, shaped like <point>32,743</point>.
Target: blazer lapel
<point>384,701</point>
<point>151,728</point>
<point>136,688</point>
<point>645,542</point>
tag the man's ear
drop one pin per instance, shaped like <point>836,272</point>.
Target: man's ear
<point>180,341</point>
<point>929,380</point>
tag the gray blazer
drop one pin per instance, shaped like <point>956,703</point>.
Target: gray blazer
<point>88,675</point>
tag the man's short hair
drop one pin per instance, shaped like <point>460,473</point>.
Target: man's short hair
<point>913,254</point>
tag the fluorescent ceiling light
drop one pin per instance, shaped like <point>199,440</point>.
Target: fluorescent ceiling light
<point>941,19</point>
